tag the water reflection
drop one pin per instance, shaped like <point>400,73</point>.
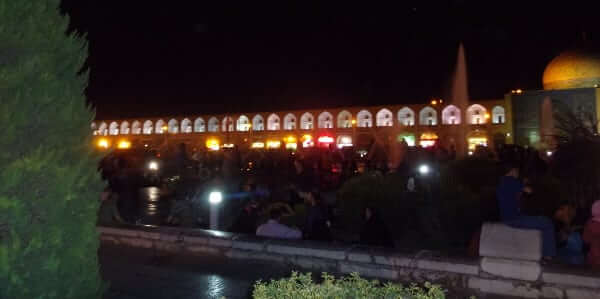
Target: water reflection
<point>216,286</point>
<point>153,208</point>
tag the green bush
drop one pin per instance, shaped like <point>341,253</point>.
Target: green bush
<point>353,286</point>
<point>50,189</point>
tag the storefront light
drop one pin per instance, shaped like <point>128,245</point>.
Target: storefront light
<point>103,143</point>
<point>213,144</point>
<point>124,144</point>
<point>258,145</point>
<point>273,144</point>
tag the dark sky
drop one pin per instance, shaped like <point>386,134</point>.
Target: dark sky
<point>176,57</point>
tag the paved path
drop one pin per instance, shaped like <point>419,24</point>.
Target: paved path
<point>137,274</point>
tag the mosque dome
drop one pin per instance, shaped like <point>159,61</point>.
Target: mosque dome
<point>573,69</point>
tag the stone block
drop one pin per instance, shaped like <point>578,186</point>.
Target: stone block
<point>203,249</point>
<point>583,294</point>
<point>306,251</point>
<point>448,267</point>
<point>248,245</point>
<point>368,270</point>
<point>137,242</point>
<point>360,257</point>
<point>523,270</point>
<point>503,287</point>
<point>573,280</point>
<point>149,235</point>
<point>315,264</point>
<point>219,242</point>
<point>195,240</point>
<point>171,237</point>
<point>254,255</point>
<point>502,241</point>
<point>118,231</point>
<point>395,261</point>
<point>552,292</point>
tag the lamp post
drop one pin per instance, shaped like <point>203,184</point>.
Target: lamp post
<point>214,199</point>
<point>354,141</point>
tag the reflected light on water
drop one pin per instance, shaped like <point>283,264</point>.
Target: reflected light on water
<point>216,286</point>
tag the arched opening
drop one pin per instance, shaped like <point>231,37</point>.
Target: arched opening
<point>136,128</point>
<point>213,124</point>
<point>406,117</point>
<point>94,128</point>
<point>199,125</point>
<point>243,123</point>
<point>258,123</point>
<point>186,126</point>
<point>476,139</point>
<point>228,124</point>
<point>428,117</point>
<point>477,114</point>
<point>344,119</point>
<point>364,119</point>
<point>498,115</point>
<point>148,127</point>
<point>113,128</point>
<point>160,127</point>
<point>325,120</point>
<point>124,128</point>
<point>451,115</point>
<point>307,121</point>
<point>384,118</point>
<point>289,122</point>
<point>273,122</point>
<point>173,126</point>
<point>103,129</point>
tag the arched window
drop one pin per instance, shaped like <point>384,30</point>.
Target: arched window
<point>243,123</point>
<point>325,120</point>
<point>148,127</point>
<point>199,125</point>
<point>427,117</point>
<point>344,119</point>
<point>477,114</point>
<point>258,123</point>
<point>173,126</point>
<point>364,119</point>
<point>228,124</point>
<point>186,126</point>
<point>213,124</point>
<point>103,129</point>
<point>498,115</point>
<point>136,128</point>
<point>406,117</point>
<point>451,115</point>
<point>289,122</point>
<point>159,127</point>
<point>384,118</point>
<point>124,127</point>
<point>307,121</point>
<point>94,128</point>
<point>113,129</point>
<point>273,122</point>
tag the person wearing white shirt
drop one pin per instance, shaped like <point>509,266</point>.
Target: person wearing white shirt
<point>274,229</point>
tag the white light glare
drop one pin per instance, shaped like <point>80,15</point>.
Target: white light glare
<point>215,197</point>
<point>548,153</point>
<point>423,169</point>
<point>153,165</point>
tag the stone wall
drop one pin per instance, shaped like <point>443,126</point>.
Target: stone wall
<point>520,278</point>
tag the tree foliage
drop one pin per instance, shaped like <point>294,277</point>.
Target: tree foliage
<point>49,187</point>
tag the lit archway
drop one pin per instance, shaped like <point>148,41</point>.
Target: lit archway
<point>213,124</point>
<point>186,126</point>
<point>148,127</point>
<point>136,127</point>
<point>451,115</point>
<point>273,123</point>
<point>289,122</point>
<point>344,119</point>
<point>325,120</point>
<point>199,125</point>
<point>103,129</point>
<point>498,115</point>
<point>427,117</point>
<point>124,128</point>
<point>94,128</point>
<point>113,128</point>
<point>384,118</point>
<point>160,127</point>
<point>258,123</point>
<point>227,124</point>
<point>173,126</point>
<point>243,123</point>
<point>406,117</point>
<point>307,121</point>
<point>364,119</point>
<point>477,114</point>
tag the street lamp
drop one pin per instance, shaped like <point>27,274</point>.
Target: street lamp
<point>424,169</point>
<point>214,198</point>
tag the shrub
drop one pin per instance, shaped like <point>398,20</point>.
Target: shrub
<point>353,286</point>
<point>50,189</point>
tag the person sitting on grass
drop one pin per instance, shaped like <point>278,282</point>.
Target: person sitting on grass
<point>274,229</point>
<point>508,194</point>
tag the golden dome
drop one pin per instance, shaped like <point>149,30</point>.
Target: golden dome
<point>573,69</point>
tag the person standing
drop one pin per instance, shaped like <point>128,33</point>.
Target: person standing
<point>591,236</point>
<point>317,221</point>
<point>375,231</point>
<point>508,194</point>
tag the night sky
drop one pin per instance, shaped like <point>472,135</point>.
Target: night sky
<point>183,57</point>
